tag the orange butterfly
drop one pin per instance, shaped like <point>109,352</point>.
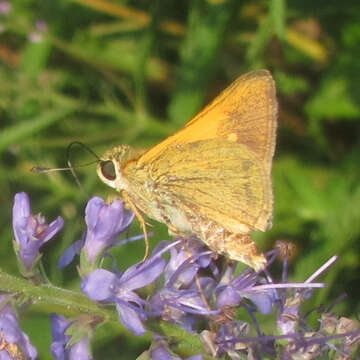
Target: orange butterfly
<point>212,178</point>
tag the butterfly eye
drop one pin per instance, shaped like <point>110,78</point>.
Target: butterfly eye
<point>108,169</point>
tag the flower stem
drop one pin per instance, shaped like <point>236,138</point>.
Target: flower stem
<point>65,301</point>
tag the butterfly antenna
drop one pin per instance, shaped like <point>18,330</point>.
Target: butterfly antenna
<point>72,144</point>
<point>71,167</point>
<point>42,169</point>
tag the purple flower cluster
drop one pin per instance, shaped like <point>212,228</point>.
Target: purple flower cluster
<point>202,296</point>
<point>188,286</point>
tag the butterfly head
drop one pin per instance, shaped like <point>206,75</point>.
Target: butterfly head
<point>111,165</point>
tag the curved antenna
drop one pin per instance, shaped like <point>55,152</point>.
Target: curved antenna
<point>71,167</point>
<point>41,169</point>
<point>83,146</point>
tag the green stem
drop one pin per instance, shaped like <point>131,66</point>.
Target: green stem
<point>65,301</point>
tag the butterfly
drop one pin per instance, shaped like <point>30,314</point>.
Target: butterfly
<point>212,178</point>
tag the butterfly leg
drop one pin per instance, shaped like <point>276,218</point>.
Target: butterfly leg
<point>141,219</point>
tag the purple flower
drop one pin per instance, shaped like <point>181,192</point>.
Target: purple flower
<point>31,231</point>
<point>175,271</point>
<point>104,223</point>
<point>105,286</point>
<point>62,348</point>
<point>181,306</point>
<point>231,290</point>
<point>186,258</point>
<point>13,342</point>
<point>180,297</point>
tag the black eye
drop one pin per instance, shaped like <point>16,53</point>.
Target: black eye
<point>108,169</point>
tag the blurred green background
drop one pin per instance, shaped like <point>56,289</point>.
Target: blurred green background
<point>112,72</point>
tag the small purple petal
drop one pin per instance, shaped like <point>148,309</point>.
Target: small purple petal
<point>264,300</point>
<point>177,258</point>
<point>99,285</point>
<point>80,350</point>
<point>92,211</point>
<point>160,353</point>
<point>21,211</point>
<point>69,254</point>
<point>228,297</point>
<point>130,318</point>
<point>60,348</point>
<point>138,276</point>
<point>59,325</point>
<point>52,229</point>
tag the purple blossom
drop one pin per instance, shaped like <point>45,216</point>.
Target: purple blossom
<point>69,254</point>
<point>231,290</point>
<point>104,224</point>
<point>105,286</point>
<point>31,231</point>
<point>14,343</point>
<point>182,298</point>
<point>177,259</point>
<point>186,258</point>
<point>62,347</point>
<point>182,306</point>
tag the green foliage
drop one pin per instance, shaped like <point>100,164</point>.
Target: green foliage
<point>113,72</point>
